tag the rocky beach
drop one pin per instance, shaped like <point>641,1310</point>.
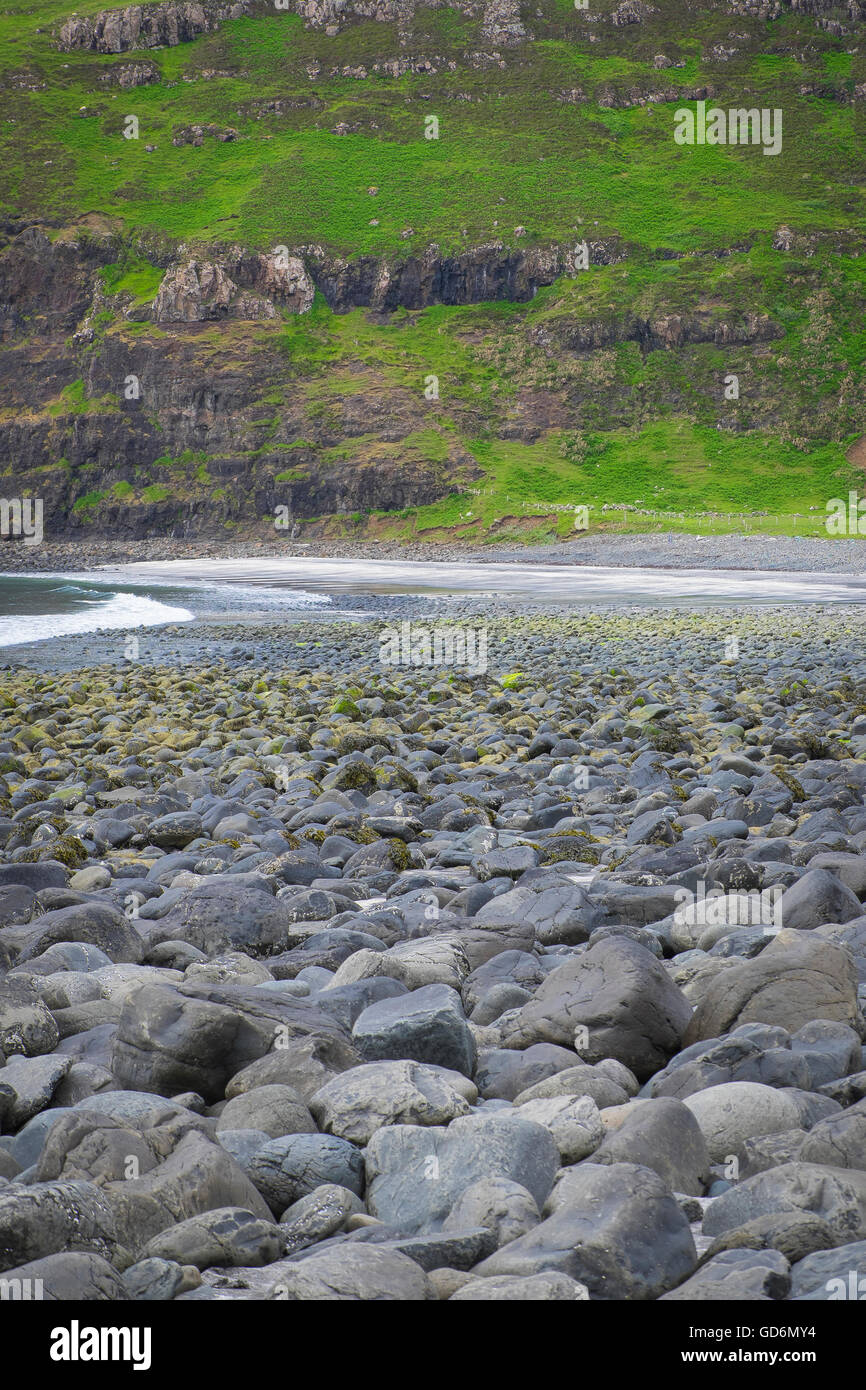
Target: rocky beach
<point>328,976</point>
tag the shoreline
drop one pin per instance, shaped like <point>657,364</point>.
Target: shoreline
<point>668,550</point>
<point>336,639</point>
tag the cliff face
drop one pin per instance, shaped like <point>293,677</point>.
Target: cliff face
<point>192,402</point>
<point>168,23</point>
<point>157,385</point>
<point>145,26</point>
<point>366,255</point>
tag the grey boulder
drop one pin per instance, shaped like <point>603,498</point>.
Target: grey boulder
<point>360,1101</point>
<point>621,999</point>
<point>619,1230</point>
<point>416,1175</point>
<point>223,1236</point>
<point>427,1025</point>
<point>736,1276</point>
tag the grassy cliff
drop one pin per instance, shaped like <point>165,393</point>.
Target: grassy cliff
<point>606,387</point>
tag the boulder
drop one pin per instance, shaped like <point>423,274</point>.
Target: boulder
<point>196,1037</point>
<point>71,1277</point>
<point>90,922</point>
<point>504,1207</point>
<point>29,1083</point>
<point>535,1288</point>
<point>224,1236</point>
<point>416,1175</point>
<point>26,1024</point>
<point>839,1141</point>
<point>275,1109</point>
<point>304,1063</point>
<point>427,1025</point>
<point>574,1122</point>
<point>797,978</point>
<point>837,1195</point>
<point>740,1110</point>
<point>292,1167</point>
<point>620,1231</point>
<point>355,1104</point>
<point>54,1217</point>
<point>236,913</point>
<point>353,1273</point>
<point>620,998</point>
<point>818,897</point>
<point>742,1276</point>
<point>661,1135</point>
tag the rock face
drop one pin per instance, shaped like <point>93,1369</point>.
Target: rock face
<point>201,402</point>
<point>146,26</point>
<point>491,271</point>
<point>197,291</point>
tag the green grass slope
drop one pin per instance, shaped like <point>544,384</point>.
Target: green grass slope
<point>563,135</point>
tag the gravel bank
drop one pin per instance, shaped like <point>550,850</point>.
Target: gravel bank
<point>322,977</point>
<point>668,551</point>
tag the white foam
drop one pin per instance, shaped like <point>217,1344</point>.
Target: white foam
<point>127,611</point>
<point>112,575</point>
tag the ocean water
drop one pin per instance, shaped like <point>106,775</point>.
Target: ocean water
<point>126,597</point>
<point>37,608</point>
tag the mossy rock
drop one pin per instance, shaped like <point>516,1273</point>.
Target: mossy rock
<point>67,850</point>
<point>360,835</point>
<point>390,777</point>
<point>30,735</point>
<point>583,854</point>
<point>275,746</point>
<point>666,740</point>
<point>71,795</point>
<point>790,782</point>
<point>399,855</point>
<point>355,777</point>
<point>354,739</point>
<point>313,836</point>
<point>817,748</point>
<point>393,710</point>
<point>345,705</point>
<point>578,835</point>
